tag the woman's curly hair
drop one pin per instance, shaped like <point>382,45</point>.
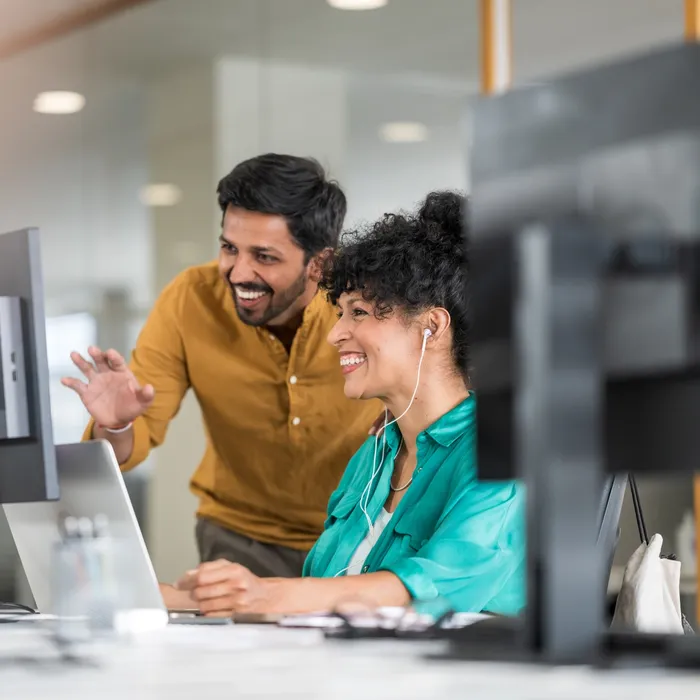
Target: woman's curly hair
<point>410,262</point>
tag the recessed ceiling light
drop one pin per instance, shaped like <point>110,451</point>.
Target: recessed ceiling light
<point>59,102</point>
<point>404,132</point>
<point>160,195</point>
<point>357,4</point>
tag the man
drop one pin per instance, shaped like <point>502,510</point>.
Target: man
<point>249,337</point>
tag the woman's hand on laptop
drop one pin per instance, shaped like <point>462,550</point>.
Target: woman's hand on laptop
<point>221,588</point>
<point>175,599</point>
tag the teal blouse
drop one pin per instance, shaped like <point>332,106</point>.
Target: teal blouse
<point>451,536</point>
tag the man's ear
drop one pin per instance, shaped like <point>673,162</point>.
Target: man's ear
<point>318,263</point>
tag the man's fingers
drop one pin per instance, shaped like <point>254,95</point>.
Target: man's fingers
<point>99,358</point>
<point>116,361</point>
<point>83,365</point>
<point>145,394</point>
<point>75,384</point>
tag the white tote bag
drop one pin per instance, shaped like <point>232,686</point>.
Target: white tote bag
<point>649,599</point>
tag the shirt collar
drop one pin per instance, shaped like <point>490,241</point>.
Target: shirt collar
<point>318,305</point>
<point>316,308</point>
<point>446,429</point>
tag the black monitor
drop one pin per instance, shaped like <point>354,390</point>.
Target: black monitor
<point>27,455</point>
<point>584,230</point>
<point>615,149</point>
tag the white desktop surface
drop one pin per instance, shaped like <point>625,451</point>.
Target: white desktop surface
<point>206,663</point>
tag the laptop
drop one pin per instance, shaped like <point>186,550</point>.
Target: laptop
<point>91,485</point>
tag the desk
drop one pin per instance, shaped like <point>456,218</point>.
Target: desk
<point>207,663</point>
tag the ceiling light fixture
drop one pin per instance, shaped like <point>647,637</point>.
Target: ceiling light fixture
<point>59,102</point>
<point>403,132</point>
<point>160,195</point>
<point>357,4</point>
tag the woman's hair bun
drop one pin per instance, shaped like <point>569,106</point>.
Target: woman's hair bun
<point>447,211</point>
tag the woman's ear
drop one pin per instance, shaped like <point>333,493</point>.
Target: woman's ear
<point>318,263</point>
<point>437,321</point>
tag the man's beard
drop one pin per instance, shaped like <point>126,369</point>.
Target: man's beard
<point>277,302</point>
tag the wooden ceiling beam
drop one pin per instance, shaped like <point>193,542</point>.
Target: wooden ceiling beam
<point>62,25</point>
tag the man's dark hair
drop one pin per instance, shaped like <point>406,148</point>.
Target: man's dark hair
<point>293,187</point>
<point>410,263</point>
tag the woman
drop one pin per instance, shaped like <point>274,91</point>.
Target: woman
<point>409,516</point>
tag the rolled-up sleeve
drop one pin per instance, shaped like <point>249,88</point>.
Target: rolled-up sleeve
<point>476,551</point>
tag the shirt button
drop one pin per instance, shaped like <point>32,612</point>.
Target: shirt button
<point>292,380</point>
<point>365,569</point>
<point>296,420</point>
<point>272,337</point>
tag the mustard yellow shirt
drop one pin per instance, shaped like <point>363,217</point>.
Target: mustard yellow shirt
<point>280,430</point>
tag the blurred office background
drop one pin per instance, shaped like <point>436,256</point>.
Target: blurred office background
<point>177,92</point>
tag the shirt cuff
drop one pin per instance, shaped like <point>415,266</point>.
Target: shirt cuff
<point>412,574</point>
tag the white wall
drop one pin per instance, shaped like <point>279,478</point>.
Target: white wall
<point>263,106</point>
<point>385,177</point>
<point>181,152</point>
<point>77,177</point>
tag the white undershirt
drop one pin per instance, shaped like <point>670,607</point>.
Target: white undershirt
<point>365,547</point>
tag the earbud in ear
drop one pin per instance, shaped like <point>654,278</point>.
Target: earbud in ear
<point>427,332</point>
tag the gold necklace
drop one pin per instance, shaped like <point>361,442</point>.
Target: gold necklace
<point>408,483</point>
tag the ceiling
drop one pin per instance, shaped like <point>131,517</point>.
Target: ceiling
<point>435,37</point>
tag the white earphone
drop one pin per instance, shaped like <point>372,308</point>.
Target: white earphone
<point>376,469</point>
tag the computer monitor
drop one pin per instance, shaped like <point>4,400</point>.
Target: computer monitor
<point>622,162</point>
<point>584,231</point>
<point>27,454</point>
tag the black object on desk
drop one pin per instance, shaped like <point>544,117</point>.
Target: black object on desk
<point>585,290</point>
<point>27,455</point>
<point>14,612</point>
